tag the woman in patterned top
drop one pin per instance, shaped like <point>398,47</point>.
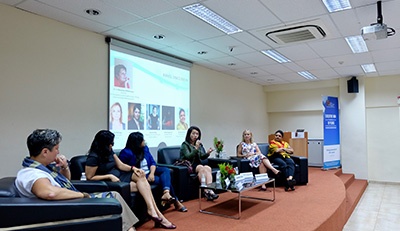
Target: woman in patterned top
<point>248,149</point>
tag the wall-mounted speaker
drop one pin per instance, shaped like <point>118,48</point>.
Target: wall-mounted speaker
<point>352,85</point>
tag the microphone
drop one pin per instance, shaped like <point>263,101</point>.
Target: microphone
<point>201,144</point>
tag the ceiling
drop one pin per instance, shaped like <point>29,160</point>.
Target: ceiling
<point>185,36</point>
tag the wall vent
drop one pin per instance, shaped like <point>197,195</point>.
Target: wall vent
<point>296,34</point>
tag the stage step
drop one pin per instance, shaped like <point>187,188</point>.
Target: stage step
<point>354,190</point>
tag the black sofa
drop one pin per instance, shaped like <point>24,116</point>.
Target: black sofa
<point>19,213</point>
<point>301,167</point>
<point>133,199</point>
<point>186,185</point>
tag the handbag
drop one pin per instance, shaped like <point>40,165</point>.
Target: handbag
<point>185,163</point>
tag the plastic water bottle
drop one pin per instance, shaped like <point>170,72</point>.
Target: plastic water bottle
<point>218,178</point>
<point>83,177</point>
<point>203,180</point>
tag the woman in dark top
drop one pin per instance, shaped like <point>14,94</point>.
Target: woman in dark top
<point>192,150</point>
<point>103,164</point>
<point>136,153</point>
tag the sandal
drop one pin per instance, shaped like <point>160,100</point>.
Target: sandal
<point>167,202</point>
<point>210,196</point>
<point>180,209</point>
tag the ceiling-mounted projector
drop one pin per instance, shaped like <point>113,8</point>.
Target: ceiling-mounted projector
<point>377,30</point>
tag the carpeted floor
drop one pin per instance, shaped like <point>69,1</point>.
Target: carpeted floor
<point>309,207</point>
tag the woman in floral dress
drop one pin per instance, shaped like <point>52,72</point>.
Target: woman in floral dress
<point>249,149</point>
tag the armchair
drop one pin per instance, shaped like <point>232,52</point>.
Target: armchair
<point>19,213</point>
<point>301,166</point>
<point>185,184</point>
<point>133,199</point>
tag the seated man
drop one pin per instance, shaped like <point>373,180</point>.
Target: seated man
<point>46,175</point>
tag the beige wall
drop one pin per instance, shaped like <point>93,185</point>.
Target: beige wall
<point>292,106</point>
<point>55,76</point>
<point>353,139</point>
<point>225,110</point>
<point>52,76</point>
<point>383,128</point>
<point>369,121</point>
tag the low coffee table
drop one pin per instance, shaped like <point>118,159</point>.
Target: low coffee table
<point>246,187</point>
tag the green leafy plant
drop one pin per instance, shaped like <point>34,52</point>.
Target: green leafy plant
<point>218,145</point>
<point>226,169</point>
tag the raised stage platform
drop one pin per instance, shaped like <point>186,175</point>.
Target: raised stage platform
<point>325,203</point>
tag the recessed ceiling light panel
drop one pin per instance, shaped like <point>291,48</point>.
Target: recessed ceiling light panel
<point>212,18</point>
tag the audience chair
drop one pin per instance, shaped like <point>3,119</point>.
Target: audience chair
<point>133,199</point>
<point>186,185</point>
<point>18,213</point>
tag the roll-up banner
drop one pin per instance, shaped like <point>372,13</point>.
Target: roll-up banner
<point>331,155</point>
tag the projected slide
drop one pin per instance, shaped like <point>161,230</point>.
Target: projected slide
<point>149,96</point>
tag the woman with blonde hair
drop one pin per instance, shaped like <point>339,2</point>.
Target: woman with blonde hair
<point>249,149</point>
<point>116,117</point>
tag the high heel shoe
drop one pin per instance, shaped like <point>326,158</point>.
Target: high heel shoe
<point>155,219</point>
<point>291,182</point>
<point>180,207</point>
<point>262,189</point>
<point>214,195</point>
<point>169,201</point>
<point>209,196</point>
<point>159,225</point>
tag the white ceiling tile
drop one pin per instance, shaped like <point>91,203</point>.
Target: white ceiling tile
<point>349,60</point>
<point>185,35</point>
<point>294,67</point>
<point>253,72</point>
<point>227,45</point>
<point>194,47</point>
<point>334,47</point>
<point>250,40</point>
<point>245,16</point>
<point>256,58</point>
<point>186,24</point>
<point>386,66</point>
<point>294,10</point>
<point>349,71</point>
<point>298,52</point>
<point>226,60</point>
<point>276,69</point>
<point>148,30</point>
<point>145,9</point>
<point>117,33</point>
<point>62,16</point>
<point>325,73</point>
<point>386,55</point>
<point>347,22</point>
<point>109,15</point>
<point>313,64</point>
